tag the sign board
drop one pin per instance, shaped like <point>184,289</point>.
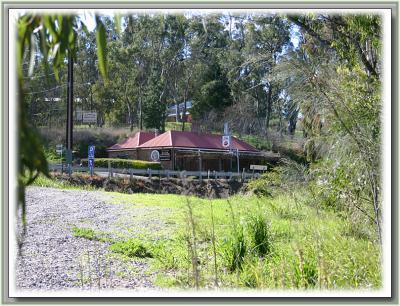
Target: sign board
<point>155,155</point>
<point>165,155</point>
<point>89,117</point>
<point>91,152</point>
<point>226,141</point>
<point>59,149</point>
<point>258,167</point>
<point>91,164</point>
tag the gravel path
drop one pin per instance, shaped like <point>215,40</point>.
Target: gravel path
<point>52,258</point>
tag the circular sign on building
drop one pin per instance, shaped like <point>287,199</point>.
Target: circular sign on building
<point>226,141</point>
<point>155,155</point>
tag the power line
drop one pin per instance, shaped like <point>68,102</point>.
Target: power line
<point>38,76</point>
<point>51,89</point>
<point>54,88</point>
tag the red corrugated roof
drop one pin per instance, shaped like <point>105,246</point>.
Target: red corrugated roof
<point>133,142</point>
<point>195,141</point>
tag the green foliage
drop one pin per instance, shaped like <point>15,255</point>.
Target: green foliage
<point>123,163</point>
<point>258,142</point>
<point>177,126</point>
<point>305,271</point>
<point>43,181</point>
<point>131,248</point>
<point>268,182</point>
<point>309,247</point>
<point>55,35</point>
<point>101,46</point>
<point>260,234</point>
<point>154,107</point>
<point>235,249</point>
<point>52,155</point>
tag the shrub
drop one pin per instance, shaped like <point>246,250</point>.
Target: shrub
<point>263,186</point>
<point>131,248</point>
<point>123,163</point>
<point>102,138</point>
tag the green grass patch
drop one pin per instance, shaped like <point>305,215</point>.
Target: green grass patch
<point>43,181</point>
<point>86,233</point>
<point>131,248</point>
<point>90,234</point>
<point>260,242</point>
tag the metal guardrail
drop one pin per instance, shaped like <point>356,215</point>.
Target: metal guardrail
<point>162,173</point>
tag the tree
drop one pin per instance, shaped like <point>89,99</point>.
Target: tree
<point>55,37</point>
<point>346,86</point>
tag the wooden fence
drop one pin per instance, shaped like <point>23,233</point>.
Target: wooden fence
<point>118,172</point>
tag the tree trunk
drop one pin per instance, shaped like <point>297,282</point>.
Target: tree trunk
<point>130,116</point>
<point>269,109</point>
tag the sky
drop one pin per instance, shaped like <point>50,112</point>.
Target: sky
<point>88,19</point>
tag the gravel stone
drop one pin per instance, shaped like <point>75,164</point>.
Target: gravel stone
<point>51,258</point>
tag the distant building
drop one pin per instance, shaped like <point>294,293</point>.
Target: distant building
<point>189,151</point>
<point>128,148</point>
<point>173,111</point>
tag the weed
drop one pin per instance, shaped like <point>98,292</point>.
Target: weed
<point>305,271</point>
<point>260,234</point>
<point>86,233</point>
<point>235,249</point>
<point>90,234</point>
<point>131,248</point>
<point>192,242</point>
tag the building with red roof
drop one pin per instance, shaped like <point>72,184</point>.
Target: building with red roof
<point>127,149</point>
<point>189,151</point>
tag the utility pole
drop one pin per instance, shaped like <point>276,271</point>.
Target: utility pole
<point>70,113</point>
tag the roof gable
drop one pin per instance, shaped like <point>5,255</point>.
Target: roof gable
<point>133,142</point>
<point>195,141</point>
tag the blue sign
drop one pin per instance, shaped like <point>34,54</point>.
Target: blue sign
<point>91,152</point>
<point>91,163</point>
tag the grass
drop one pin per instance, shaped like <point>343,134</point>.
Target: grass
<point>131,248</point>
<point>90,234</point>
<point>260,242</point>
<point>247,242</point>
<point>43,181</point>
<point>86,233</point>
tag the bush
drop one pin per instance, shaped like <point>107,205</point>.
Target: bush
<point>123,163</point>
<point>102,138</point>
<point>264,185</point>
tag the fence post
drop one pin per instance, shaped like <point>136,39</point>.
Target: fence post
<point>130,174</point>
<point>109,169</point>
<point>167,173</point>
<point>215,175</point>
<point>243,175</point>
<point>208,174</point>
<point>149,171</point>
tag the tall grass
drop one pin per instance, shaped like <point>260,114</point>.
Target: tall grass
<point>261,243</point>
<point>260,234</point>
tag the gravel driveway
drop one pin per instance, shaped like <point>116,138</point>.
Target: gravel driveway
<point>52,258</point>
